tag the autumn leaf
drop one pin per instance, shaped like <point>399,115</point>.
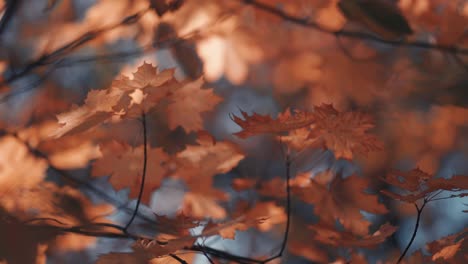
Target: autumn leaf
<point>125,164</point>
<point>327,234</point>
<point>344,133</point>
<point>418,184</point>
<point>187,103</point>
<point>263,216</point>
<point>342,200</point>
<point>179,225</point>
<point>263,124</point>
<point>199,163</point>
<point>143,92</point>
<point>450,249</point>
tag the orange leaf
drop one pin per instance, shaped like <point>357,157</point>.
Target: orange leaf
<point>120,99</point>
<point>342,201</point>
<point>187,103</point>
<point>264,124</point>
<point>419,184</point>
<point>344,133</point>
<point>125,164</point>
<point>327,234</point>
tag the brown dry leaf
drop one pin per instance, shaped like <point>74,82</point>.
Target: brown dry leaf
<point>263,216</point>
<point>179,225</point>
<point>299,140</point>
<point>197,164</point>
<point>125,164</point>
<point>201,205</point>
<point>450,249</point>
<point>300,242</point>
<point>419,184</point>
<point>328,235</point>
<point>160,248</point>
<point>144,92</point>
<point>263,124</point>
<point>344,133</point>
<point>187,103</point>
<point>19,169</point>
<point>342,200</point>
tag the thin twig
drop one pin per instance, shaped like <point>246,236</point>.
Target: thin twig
<point>418,218</point>
<point>71,46</point>
<point>181,261</point>
<point>143,176</point>
<point>306,22</point>
<point>288,211</point>
<point>67,176</point>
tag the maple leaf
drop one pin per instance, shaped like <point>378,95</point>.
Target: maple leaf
<point>201,205</point>
<point>120,99</point>
<point>343,133</point>
<point>263,216</point>
<point>450,249</point>
<point>420,184</point>
<point>187,103</point>
<point>199,163</point>
<point>263,124</point>
<point>327,234</point>
<point>124,163</point>
<point>342,201</point>
<point>179,225</point>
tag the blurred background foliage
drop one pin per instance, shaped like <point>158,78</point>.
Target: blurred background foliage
<point>53,52</point>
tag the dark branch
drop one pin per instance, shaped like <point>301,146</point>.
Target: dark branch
<point>67,176</point>
<point>69,47</point>
<point>143,176</point>
<point>11,8</point>
<point>306,22</point>
<point>418,218</point>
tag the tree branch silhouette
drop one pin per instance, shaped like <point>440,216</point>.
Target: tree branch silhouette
<point>415,231</point>
<point>67,176</point>
<point>143,173</point>
<point>72,45</point>
<point>352,34</point>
